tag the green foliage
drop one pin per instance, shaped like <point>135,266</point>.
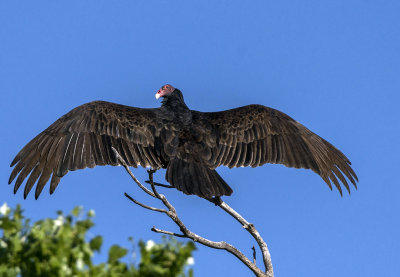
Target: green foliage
<point>59,247</point>
<point>166,259</point>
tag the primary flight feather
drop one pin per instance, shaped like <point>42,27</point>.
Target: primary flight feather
<point>189,144</point>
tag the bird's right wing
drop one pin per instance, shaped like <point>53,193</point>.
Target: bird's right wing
<point>83,138</point>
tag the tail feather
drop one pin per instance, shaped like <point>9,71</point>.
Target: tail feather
<point>195,178</point>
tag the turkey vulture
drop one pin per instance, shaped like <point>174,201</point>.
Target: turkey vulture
<point>189,144</point>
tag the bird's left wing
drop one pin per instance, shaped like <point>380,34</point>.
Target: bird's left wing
<point>254,135</point>
<point>83,138</point>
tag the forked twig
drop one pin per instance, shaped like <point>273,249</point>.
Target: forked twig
<point>186,233</point>
<point>125,165</point>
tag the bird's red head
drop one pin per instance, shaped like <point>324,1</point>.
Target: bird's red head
<point>164,90</point>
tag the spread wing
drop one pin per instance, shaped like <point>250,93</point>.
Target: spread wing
<point>83,138</point>
<point>254,135</point>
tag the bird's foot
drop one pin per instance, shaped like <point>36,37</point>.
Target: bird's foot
<point>216,200</point>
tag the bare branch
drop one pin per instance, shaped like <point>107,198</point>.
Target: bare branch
<point>251,229</point>
<point>125,165</point>
<point>186,233</point>
<point>151,172</point>
<point>160,185</point>
<point>154,229</point>
<point>161,196</point>
<point>144,205</point>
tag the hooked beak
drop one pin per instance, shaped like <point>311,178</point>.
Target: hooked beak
<point>164,90</point>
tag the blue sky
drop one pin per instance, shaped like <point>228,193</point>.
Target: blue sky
<point>332,65</point>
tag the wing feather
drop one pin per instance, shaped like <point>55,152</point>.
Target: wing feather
<point>242,154</point>
<point>250,153</point>
<point>46,173</point>
<point>55,180</point>
<point>236,156</point>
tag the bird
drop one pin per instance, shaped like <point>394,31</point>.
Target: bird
<point>189,144</point>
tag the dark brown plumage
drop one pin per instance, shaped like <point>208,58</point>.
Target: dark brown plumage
<point>189,144</point>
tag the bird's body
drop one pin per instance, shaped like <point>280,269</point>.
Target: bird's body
<point>189,144</point>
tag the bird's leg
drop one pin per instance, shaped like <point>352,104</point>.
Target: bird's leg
<point>151,172</point>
